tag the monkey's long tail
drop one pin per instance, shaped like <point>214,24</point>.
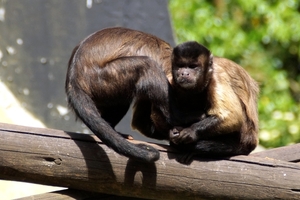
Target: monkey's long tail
<point>86,110</point>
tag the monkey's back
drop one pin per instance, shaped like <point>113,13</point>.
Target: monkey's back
<point>108,44</point>
<point>102,48</point>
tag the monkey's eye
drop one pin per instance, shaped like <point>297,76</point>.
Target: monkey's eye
<point>193,66</point>
<point>179,66</point>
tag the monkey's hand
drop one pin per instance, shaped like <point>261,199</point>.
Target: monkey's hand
<point>179,135</point>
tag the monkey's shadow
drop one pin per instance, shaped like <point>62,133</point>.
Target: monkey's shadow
<point>186,158</point>
<point>148,170</point>
<point>100,168</point>
<point>96,159</point>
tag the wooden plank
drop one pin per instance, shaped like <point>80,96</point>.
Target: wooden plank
<point>67,135</point>
<point>71,194</point>
<point>81,162</point>
<point>288,153</point>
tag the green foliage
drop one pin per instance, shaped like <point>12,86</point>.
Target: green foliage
<point>264,38</point>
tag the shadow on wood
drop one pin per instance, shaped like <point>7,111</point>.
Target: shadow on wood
<point>82,162</point>
<point>72,194</point>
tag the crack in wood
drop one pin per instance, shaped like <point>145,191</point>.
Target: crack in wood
<point>69,135</point>
<point>57,161</point>
<point>295,190</point>
<point>272,162</point>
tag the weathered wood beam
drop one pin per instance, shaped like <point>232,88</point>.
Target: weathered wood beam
<point>80,161</point>
<point>287,153</point>
<point>73,194</point>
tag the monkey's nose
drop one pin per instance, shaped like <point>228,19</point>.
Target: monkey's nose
<point>185,74</point>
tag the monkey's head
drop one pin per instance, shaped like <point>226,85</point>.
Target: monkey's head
<point>191,66</point>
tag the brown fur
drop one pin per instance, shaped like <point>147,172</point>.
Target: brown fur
<point>218,110</point>
<point>109,69</point>
<point>234,101</point>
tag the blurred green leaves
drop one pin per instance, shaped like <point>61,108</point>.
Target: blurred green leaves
<point>264,38</point>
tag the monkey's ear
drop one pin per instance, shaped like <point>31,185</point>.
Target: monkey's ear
<point>211,57</point>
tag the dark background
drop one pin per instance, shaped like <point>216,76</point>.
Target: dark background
<point>37,37</point>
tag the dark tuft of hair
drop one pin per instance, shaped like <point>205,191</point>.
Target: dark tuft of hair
<point>191,50</point>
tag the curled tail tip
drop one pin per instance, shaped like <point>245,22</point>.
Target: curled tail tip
<point>148,154</point>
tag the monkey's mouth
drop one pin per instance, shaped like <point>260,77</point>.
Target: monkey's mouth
<point>185,83</point>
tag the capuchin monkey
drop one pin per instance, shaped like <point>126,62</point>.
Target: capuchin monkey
<point>202,104</point>
<point>107,71</point>
<point>217,102</point>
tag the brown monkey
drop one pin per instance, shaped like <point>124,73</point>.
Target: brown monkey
<point>220,101</point>
<point>217,102</point>
<point>109,69</point>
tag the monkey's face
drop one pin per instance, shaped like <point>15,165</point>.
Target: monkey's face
<point>191,66</point>
<point>186,76</point>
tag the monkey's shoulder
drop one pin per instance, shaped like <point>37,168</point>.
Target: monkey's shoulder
<point>235,75</point>
<point>224,100</point>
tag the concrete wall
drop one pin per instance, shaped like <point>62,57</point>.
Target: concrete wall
<point>36,40</point>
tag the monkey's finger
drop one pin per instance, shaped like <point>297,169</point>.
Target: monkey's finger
<point>187,138</point>
<point>174,133</point>
<point>178,128</point>
<point>175,140</point>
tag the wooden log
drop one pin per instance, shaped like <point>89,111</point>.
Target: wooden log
<point>288,153</point>
<point>80,161</point>
<point>72,194</point>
